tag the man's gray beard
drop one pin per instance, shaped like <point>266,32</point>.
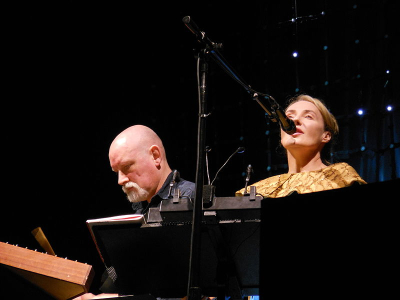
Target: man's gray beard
<point>137,194</point>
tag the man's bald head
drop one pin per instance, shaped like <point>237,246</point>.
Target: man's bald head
<point>138,137</point>
<point>137,154</point>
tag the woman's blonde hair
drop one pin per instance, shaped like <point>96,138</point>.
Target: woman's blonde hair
<point>330,122</point>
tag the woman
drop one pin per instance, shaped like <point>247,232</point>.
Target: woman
<point>308,154</point>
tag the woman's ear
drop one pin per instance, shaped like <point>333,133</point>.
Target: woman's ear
<point>326,137</point>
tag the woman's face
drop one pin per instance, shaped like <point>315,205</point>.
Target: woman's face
<point>310,129</point>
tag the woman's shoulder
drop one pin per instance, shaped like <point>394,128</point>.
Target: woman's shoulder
<point>334,176</point>
<point>343,172</point>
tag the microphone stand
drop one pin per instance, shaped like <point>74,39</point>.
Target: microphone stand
<point>267,102</point>
<point>194,290</point>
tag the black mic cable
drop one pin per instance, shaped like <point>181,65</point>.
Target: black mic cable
<point>208,149</point>
<point>238,150</point>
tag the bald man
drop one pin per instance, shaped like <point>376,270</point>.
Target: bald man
<point>138,156</point>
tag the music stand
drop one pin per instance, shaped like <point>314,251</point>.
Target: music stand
<point>154,260</point>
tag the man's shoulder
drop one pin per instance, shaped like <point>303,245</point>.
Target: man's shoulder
<point>187,188</point>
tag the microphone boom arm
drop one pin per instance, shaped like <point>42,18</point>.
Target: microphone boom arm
<point>270,106</point>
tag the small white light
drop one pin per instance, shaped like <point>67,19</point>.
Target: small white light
<point>360,112</point>
<point>295,54</point>
<point>389,108</point>
<point>387,71</point>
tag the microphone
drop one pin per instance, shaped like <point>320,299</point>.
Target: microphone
<point>275,112</point>
<point>287,124</point>
<point>172,183</point>
<point>248,171</point>
<point>238,150</point>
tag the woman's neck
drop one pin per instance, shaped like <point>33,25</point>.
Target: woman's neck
<point>303,163</point>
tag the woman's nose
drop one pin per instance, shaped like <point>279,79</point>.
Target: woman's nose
<point>296,120</point>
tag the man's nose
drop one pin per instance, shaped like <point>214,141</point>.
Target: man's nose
<point>122,178</point>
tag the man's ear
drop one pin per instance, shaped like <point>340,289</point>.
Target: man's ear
<point>156,154</point>
<point>326,137</point>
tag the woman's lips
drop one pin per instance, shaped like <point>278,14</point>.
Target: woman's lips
<point>298,132</point>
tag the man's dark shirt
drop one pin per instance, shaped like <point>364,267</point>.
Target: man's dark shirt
<point>186,188</point>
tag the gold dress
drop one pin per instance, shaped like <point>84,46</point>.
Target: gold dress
<point>332,177</point>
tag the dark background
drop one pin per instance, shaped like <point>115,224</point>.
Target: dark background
<point>76,74</point>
